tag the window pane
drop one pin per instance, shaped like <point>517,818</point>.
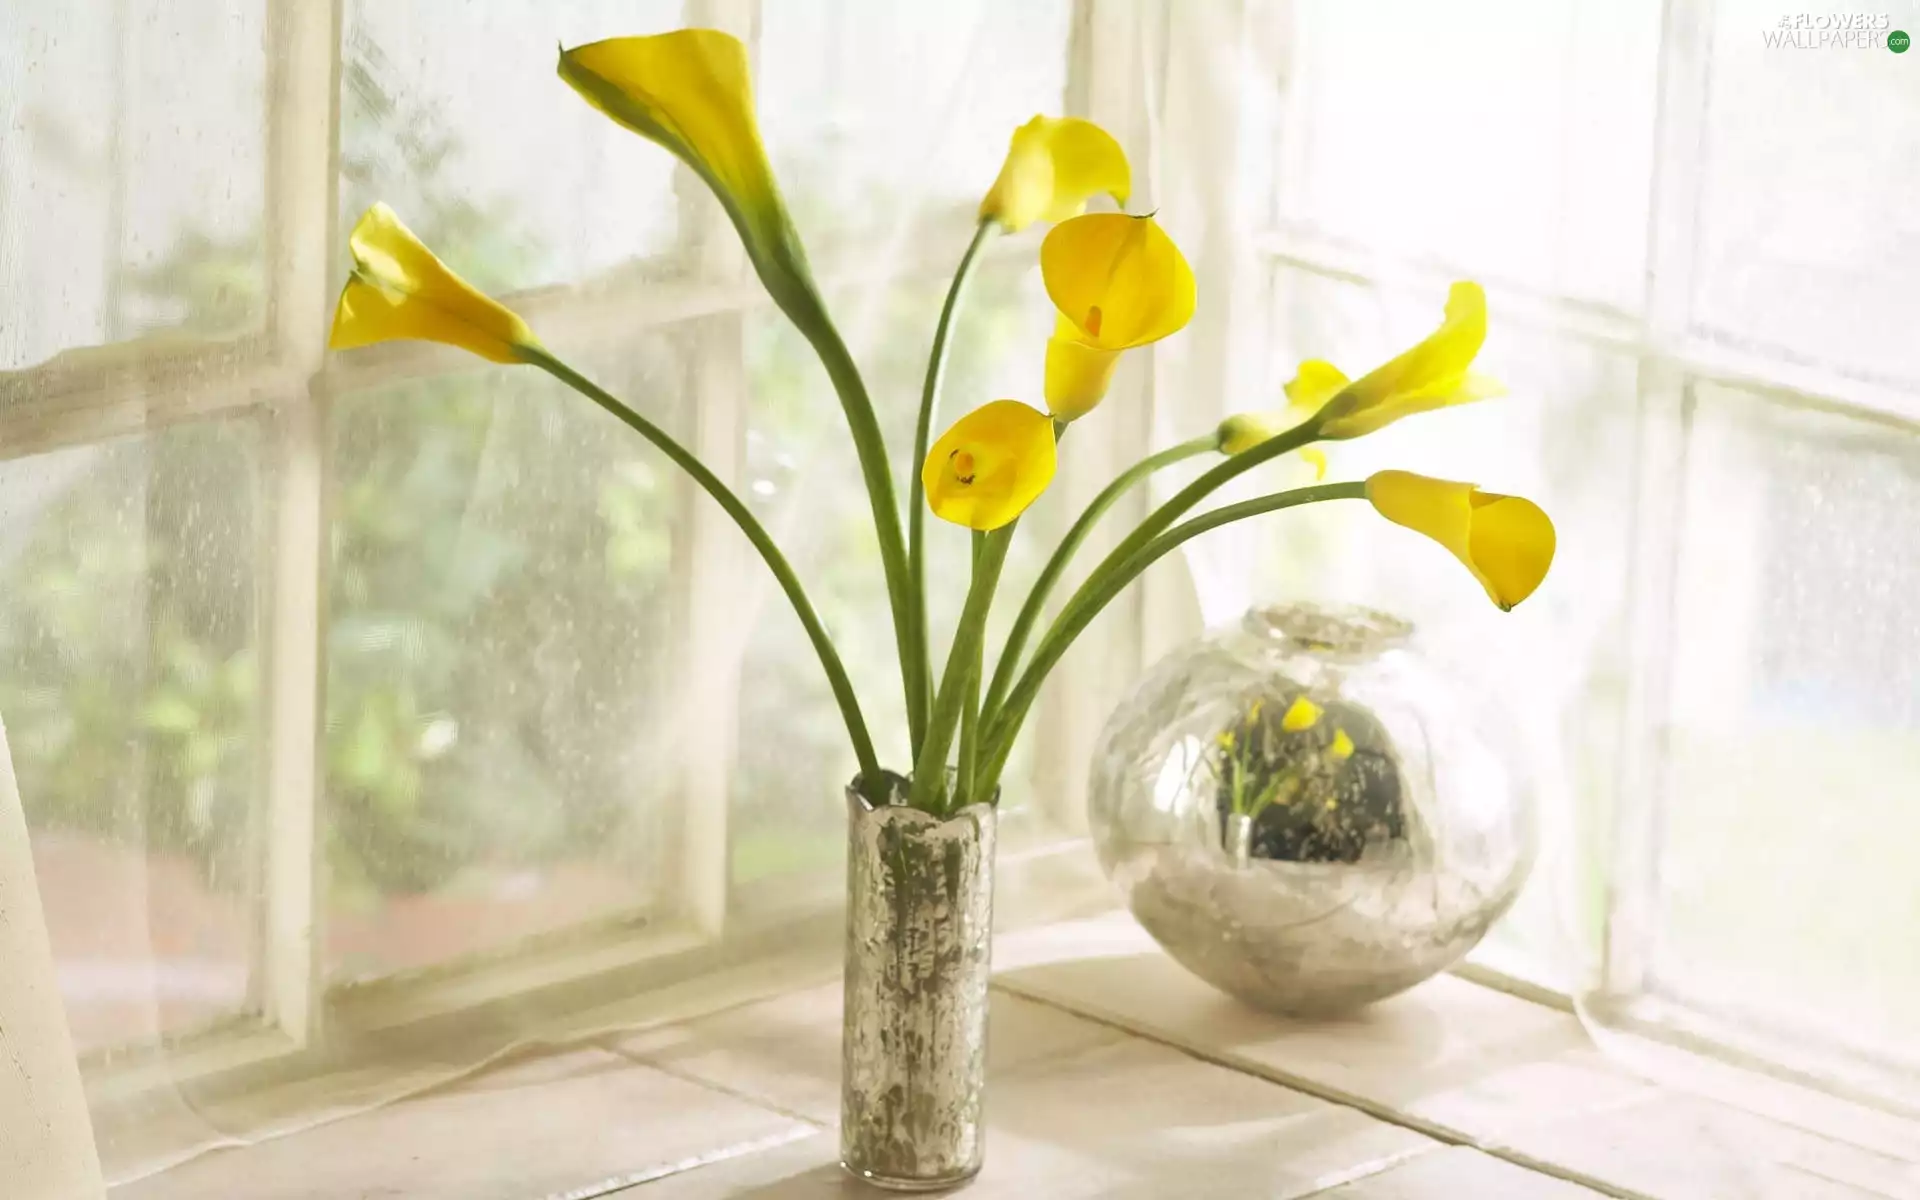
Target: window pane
<point>1563,437</point>
<point>803,478</point>
<point>462,126</point>
<point>499,756</point>
<point>1807,217</point>
<point>1507,137</point>
<point>1786,883</point>
<point>876,112</point>
<point>129,678</point>
<point>131,172</point>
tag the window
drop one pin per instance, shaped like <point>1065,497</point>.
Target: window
<point>1690,241</point>
<point>340,685</point>
<point>391,689</point>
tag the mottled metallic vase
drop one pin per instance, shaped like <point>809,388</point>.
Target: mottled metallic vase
<point>1307,812</point>
<point>919,941</point>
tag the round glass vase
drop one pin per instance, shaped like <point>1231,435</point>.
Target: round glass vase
<point>913,1043</point>
<point>1306,813</point>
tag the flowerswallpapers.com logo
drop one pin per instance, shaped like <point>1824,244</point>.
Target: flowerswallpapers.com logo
<point>1835,31</point>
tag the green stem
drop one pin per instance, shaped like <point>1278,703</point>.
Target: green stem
<point>1009,662</point>
<point>922,665</point>
<point>837,680</point>
<point>930,767</point>
<point>1108,582</point>
<point>1209,481</point>
<point>871,447</point>
<point>970,708</point>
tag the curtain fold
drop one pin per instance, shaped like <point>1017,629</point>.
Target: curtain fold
<point>46,1138</point>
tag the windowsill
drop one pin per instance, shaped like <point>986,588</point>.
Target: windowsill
<point>1114,1073</point>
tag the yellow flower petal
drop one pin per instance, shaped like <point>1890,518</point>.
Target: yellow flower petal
<point>1053,167</point>
<point>1434,374</point>
<point>1078,376</point>
<point>993,463</point>
<point>1316,458</point>
<point>1316,382</point>
<point>690,92</point>
<point>1119,279</point>
<point>1506,541</point>
<point>1301,714</point>
<point>400,291</point>
<point>1342,748</point>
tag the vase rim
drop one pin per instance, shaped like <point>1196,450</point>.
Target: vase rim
<point>1341,628</point>
<point>897,806</point>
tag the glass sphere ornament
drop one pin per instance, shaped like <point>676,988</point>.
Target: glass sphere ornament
<point>1306,813</point>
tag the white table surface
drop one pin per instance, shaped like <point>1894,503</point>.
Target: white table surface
<point>1113,1073</point>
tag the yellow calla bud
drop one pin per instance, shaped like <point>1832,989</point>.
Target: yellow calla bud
<point>1506,541</point>
<point>690,92</point>
<point>1053,167</point>
<point>1243,431</point>
<point>1434,374</point>
<point>993,463</point>
<point>1300,715</point>
<point>399,291</point>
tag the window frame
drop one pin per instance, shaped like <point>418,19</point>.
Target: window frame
<point>281,377</point>
<point>1676,355</point>
<point>1125,68</point>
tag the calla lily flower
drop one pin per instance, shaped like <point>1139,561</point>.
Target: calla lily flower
<point>399,291</point>
<point>1078,374</point>
<point>1054,166</point>
<point>993,463</point>
<point>1434,374</point>
<point>1119,282</point>
<point>690,92</point>
<point>1507,542</point>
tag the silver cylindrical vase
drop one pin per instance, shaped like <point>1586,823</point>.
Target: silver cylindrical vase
<point>919,941</point>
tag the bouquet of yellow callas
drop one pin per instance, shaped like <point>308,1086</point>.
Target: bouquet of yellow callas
<point>1118,281</point>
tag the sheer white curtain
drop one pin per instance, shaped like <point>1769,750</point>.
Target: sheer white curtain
<point>47,1150</point>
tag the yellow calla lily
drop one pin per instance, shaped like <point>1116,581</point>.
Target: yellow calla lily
<point>993,463</point>
<point>1054,166</point>
<point>1077,374</point>
<point>1506,541</point>
<point>690,92</point>
<point>1119,282</point>
<point>1118,279</point>
<point>1434,374</point>
<point>399,291</point>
